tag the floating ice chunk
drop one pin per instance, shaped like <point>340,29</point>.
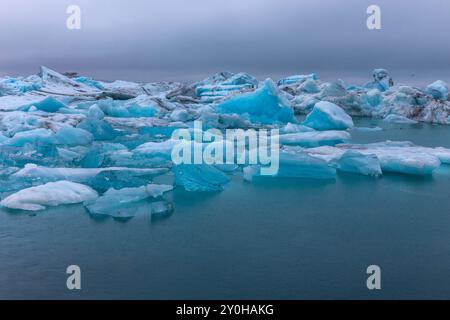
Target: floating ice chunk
<point>301,165</point>
<point>328,116</point>
<point>295,128</point>
<point>315,138</point>
<point>49,104</point>
<point>265,105</point>
<point>157,149</point>
<point>20,139</point>
<point>442,153</point>
<point>119,203</point>
<point>73,136</point>
<point>214,92</point>
<point>438,90</point>
<point>118,180</point>
<point>100,129</point>
<point>368,129</point>
<point>407,162</point>
<point>241,79</point>
<point>10,85</point>
<point>304,103</point>
<point>327,153</point>
<point>373,97</point>
<point>309,86</point>
<point>55,82</point>
<point>179,115</point>
<point>50,194</point>
<point>95,112</point>
<point>333,89</point>
<point>224,84</point>
<point>200,178</point>
<point>295,164</point>
<point>81,175</point>
<point>90,82</point>
<point>381,80</point>
<point>128,109</point>
<point>395,118</point>
<point>356,162</point>
<point>297,79</point>
<point>401,157</point>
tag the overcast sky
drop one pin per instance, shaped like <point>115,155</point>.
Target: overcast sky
<point>180,39</point>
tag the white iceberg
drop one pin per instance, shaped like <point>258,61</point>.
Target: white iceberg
<point>49,195</point>
<point>80,175</point>
<point>315,138</point>
<point>328,116</point>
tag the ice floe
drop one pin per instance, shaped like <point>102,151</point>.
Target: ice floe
<point>328,116</point>
<point>49,195</point>
<point>66,138</point>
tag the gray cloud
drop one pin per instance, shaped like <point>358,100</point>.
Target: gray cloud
<point>177,39</point>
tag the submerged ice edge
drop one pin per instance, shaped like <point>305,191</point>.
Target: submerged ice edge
<point>111,146</point>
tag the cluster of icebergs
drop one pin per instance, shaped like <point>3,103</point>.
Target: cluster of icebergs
<point>67,140</point>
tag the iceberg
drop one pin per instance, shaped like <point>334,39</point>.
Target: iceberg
<point>119,180</point>
<point>438,90</point>
<point>373,98</point>
<point>224,84</point>
<point>398,157</point>
<point>49,195</point>
<point>395,118</point>
<point>296,79</point>
<point>48,104</point>
<point>381,80</point>
<point>157,149</point>
<point>295,128</point>
<point>328,116</point>
<point>20,139</point>
<point>356,162</point>
<point>80,175</point>
<point>96,125</point>
<point>90,82</point>
<point>309,86</point>
<point>20,85</point>
<point>314,138</point>
<point>200,178</point>
<point>70,136</point>
<point>301,165</point>
<point>122,109</point>
<point>401,157</point>
<point>265,105</point>
<point>120,203</point>
<point>295,163</point>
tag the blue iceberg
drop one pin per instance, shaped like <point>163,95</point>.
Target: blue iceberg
<point>265,105</point>
<point>438,90</point>
<point>200,178</point>
<point>356,162</point>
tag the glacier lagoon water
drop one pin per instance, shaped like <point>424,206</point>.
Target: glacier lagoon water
<point>289,239</point>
